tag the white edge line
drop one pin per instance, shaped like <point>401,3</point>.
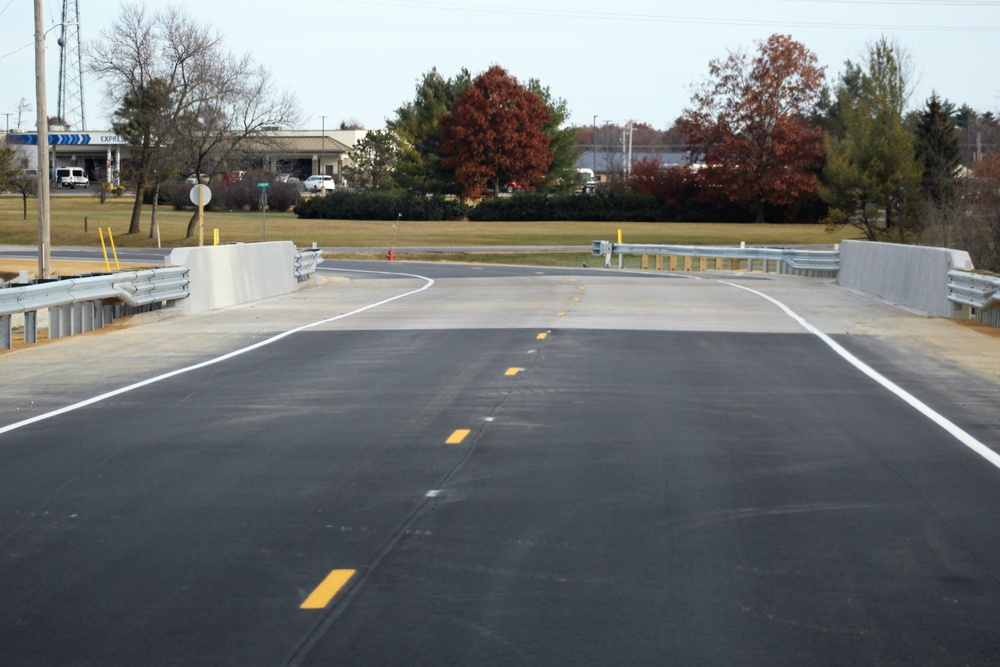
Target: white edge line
<point>958,433</point>
<point>225,357</point>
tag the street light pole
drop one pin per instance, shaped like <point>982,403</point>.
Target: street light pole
<point>44,251</point>
<point>595,147</point>
<point>322,159</point>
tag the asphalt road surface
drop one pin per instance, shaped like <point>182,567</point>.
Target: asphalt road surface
<point>417,464</point>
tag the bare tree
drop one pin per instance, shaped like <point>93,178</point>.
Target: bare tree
<point>22,108</point>
<point>226,126</point>
<point>219,103</point>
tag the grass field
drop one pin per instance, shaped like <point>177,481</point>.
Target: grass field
<point>71,214</point>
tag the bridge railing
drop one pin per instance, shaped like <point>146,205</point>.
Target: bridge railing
<point>81,304</point>
<point>814,263</point>
<point>306,262</point>
<point>979,292</point>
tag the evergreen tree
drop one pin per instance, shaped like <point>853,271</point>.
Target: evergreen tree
<point>871,174</point>
<point>416,126</point>
<point>937,147</point>
<point>373,160</point>
<point>561,176</point>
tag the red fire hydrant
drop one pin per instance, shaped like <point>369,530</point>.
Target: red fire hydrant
<point>390,255</point>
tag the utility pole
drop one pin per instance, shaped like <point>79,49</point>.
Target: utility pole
<point>628,155</point>
<point>44,252</point>
<point>595,147</point>
<point>322,159</point>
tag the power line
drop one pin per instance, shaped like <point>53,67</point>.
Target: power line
<point>684,20</point>
<point>922,3</point>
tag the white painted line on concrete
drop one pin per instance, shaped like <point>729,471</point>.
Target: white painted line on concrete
<point>211,362</point>
<point>959,434</point>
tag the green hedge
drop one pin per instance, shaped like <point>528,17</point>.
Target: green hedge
<point>599,207</point>
<point>375,205</point>
<point>388,205</point>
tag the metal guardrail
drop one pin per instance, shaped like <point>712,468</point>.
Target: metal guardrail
<point>77,305</point>
<point>306,262</point>
<point>979,292</point>
<point>820,263</point>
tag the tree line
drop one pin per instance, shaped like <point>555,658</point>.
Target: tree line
<point>766,137</point>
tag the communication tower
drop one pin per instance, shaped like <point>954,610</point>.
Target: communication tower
<point>70,108</point>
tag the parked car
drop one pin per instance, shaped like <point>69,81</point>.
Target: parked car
<point>72,177</point>
<point>192,179</point>
<point>319,182</point>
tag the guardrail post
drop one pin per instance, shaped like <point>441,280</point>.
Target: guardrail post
<point>659,262</point>
<point>65,320</point>
<point>55,315</point>
<point>643,262</point>
<point>672,262</point>
<point>87,320</point>
<point>76,321</point>
<point>31,326</point>
<point>6,339</point>
<point>718,263</point>
<point>703,263</point>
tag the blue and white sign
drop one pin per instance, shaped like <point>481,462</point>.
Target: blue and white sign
<point>69,139</point>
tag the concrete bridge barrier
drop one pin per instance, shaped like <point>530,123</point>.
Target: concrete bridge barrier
<point>913,276</point>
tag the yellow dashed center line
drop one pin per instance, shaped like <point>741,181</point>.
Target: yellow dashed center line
<point>326,591</point>
<point>457,437</point>
<point>512,371</point>
<point>542,336</point>
<point>560,314</point>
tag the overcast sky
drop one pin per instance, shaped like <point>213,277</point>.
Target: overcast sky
<point>621,60</point>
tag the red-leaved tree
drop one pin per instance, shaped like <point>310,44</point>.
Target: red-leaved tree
<point>494,135</point>
<point>748,125</point>
<point>672,185</point>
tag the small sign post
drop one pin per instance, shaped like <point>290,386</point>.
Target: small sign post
<point>200,196</point>
<point>263,206</point>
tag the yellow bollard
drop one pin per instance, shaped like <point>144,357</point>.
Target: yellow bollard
<point>113,250</point>
<point>104,249</point>
<point>215,236</point>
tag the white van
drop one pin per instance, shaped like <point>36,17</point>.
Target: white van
<point>72,177</point>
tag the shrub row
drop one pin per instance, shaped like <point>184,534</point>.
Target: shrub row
<point>609,206</point>
<point>599,207</point>
<point>234,195</point>
<point>376,205</point>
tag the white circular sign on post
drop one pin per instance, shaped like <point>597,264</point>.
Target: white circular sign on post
<point>202,191</point>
